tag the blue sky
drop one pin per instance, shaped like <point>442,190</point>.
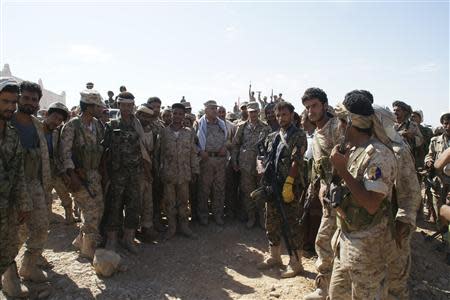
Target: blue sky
<point>213,50</point>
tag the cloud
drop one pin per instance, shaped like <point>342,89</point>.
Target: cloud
<point>88,53</point>
<point>425,68</point>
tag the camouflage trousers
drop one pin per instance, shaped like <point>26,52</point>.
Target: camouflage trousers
<point>61,190</point>
<point>327,228</point>
<point>399,268</point>
<point>232,203</point>
<point>248,183</point>
<point>9,240</point>
<point>125,196</point>
<point>35,230</point>
<point>146,204</point>
<point>175,201</point>
<point>211,183</point>
<point>360,264</point>
<point>274,223</point>
<point>91,207</point>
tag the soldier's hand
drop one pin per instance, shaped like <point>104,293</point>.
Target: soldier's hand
<point>339,160</point>
<point>401,232</point>
<point>204,155</point>
<point>288,193</point>
<point>22,216</point>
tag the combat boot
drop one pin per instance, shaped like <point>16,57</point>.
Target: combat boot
<point>251,219</point>
<point>321,291</point>
<point>68,214</point>
<point>128,240</point>
<point>295,266</point>
<point>148,235</point>
<point>30,270</point>
<point>11,285</point>
<point>88,246</point>
<point>184,229</point>
<point>273,261</point>
<point>111,241</point>
<point>172,227</point>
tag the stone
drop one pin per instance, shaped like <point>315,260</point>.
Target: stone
<point>106,262</point>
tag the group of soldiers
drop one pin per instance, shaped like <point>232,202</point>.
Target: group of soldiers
<point>150,172</point>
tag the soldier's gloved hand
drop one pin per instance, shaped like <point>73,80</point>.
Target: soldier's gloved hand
<point>288,193</point>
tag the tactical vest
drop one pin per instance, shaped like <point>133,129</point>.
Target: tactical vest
<point>358,218</point>
<point>87,156</point>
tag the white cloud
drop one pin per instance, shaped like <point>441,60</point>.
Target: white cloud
<point>88,53</point>
<point>426,67</point>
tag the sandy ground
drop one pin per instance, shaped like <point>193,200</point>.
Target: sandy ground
<point>220,264</point>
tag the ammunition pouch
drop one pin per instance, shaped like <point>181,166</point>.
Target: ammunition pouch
<point>32,163</point>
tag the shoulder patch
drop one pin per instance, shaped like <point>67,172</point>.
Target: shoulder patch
<point>373,173</point>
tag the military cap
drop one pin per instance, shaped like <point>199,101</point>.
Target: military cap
<point>253,106</point>
<point>441,119</point>
<point>243,104</point>
<point>210,103</point>
<point>91,96</point>
<point>187,105</point>
<point>146,110</point>
<point>403,105</point>
<point>58,105</point>
<point>419,113</point>
<point>6,81</point>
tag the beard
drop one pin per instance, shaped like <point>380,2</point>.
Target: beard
<point>26,109</point>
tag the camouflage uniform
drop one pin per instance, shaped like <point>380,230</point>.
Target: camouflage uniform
<point>156,126</point>
<point>212,174</point>
<point>147,186</point>
<point>419,155</point>
<point>410,126</point>
<point>178,164</point>
<point>323,142</point>
<point>438,145</point>
<point>38,179</point>
<point>296,140</point>
<point>125,167</point>
<point>362,239</point>
<point>13,194</point>
<point>408,197</point>
<point>244,155</point>
<point>81,150</point>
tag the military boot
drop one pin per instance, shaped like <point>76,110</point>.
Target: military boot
<point>128,240</point>
<point>251,219</point>
<point>184,229</point>
<point>321,291</point>
<point>68,214</point>
<point>295,266</point>
<point>273,261</point>
<point>30,270</point>
<point>111,241</point>
<point>11,285</point>
<point>148,235</point>
<point>88,246</point>
<point>172,227</point>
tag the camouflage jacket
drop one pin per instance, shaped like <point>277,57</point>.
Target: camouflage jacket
<point>411,127</point>
<point>438,145</point>
<point>245,143</point>
<point>178,156</point>
<point>12,178</point>
<point>420,152</point>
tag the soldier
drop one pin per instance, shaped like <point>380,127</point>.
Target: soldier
<point>212,138</point>
<point>166,116</point>
<point>110,102</point>
<point>178,165</point>
<point>188,107</point>
<point>81,154</point>
<point>154,103</point>
<point>57,113</point>
<point>368,170</point>
<point>89,85</point>
<point>148,232</point>
<point>244,113</point>
<point>126,145</point>
<point>15,203</point>
<point>438,145</point>
<point>285,150</point>
<point>407,129</point>
<point>407,198</point>
<point>269,112</point>
<point>326,136</point>
<point>427,133</point>
<point>38,179</point>
<point>243,159</point>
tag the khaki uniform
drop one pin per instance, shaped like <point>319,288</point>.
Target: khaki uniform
<point>244,155</point>
<point>13,194</point>
<point>81,149</point>
<point>38,179</point>
<point>323,142</point>
<point>408,198</point>
<point>212,174</point>
<point>438,145</point>
<point>147,185</point>
<point>364,240</point>
<point>179,163</point>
